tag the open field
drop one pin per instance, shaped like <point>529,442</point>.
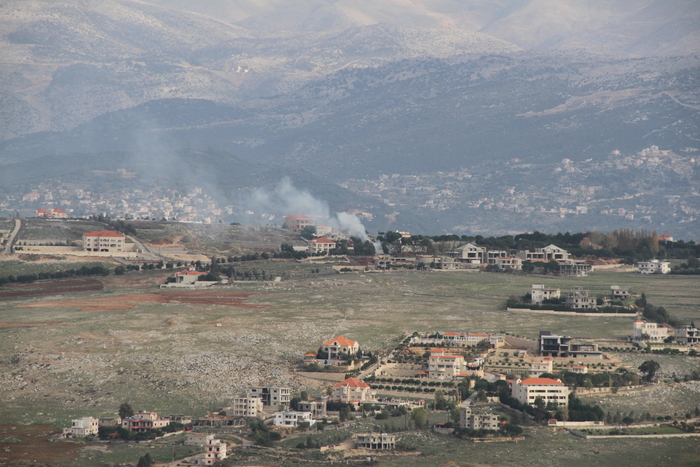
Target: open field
<point>76,354</point>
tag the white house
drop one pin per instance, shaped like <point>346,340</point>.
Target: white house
<point>104,241</point>
<point>550,390</point>
<point>650,332</point>
<point>469,253</point>
<point>320,245</point>
<point>293,418</point>
<point>540,293</point>
<point>81,427</point>
<point>441,366</point>
<point>654,266</point>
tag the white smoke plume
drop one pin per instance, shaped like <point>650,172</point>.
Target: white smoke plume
<point>285,199</point>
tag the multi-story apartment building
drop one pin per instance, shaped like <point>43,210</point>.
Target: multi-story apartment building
<point>247,405</point>
<point>540,293</point>
<point>550,390</point>
<point>215,450</point>
<point>578,299</point>
<point>472,421</point>
<point>441,366</point>
<point>272,395</point>
<point>107,241</point>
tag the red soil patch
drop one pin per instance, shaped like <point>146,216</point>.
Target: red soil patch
<point>50,288</point>
<point>128,301</point>
<point>30,444</point>
<point>38,323</point>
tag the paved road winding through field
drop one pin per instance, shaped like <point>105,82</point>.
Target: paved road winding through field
<point>11,238</point>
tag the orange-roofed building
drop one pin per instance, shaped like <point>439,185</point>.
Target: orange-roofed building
<point>297,222</point>
<point>41,212</point>
<point>352,391</point>
<point>321,245</point>
<point>550,390</point>
<point>58,213</point>
<point>106,241</point>
<point>188,276</point>
<point>334,348</point>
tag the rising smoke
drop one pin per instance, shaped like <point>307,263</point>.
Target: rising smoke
<point>285,199</point>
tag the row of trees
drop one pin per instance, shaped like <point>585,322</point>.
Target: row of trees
<point>29,278</point>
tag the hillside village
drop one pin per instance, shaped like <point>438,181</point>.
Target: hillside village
<point>567,191</point>
<point>472,385</point>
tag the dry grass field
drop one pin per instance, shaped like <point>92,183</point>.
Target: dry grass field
<point>70,354</point>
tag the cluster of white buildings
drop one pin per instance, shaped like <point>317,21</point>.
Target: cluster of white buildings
<point>645,331</point>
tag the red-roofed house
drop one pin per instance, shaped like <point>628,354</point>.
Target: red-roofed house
<point>352,391</point>
<point>550,390</point>
<point>320,245</point>
<point>41,212</point>
<point>188,276</point>
<point>297,222</point>
<point>665,238</point>
<point>104,241</point>
<point>340,345</point>
<point>58,214</point>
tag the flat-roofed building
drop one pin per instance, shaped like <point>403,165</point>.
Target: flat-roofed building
<point>375,441</point>
<point>550,390</point>
<point>650,332</point>
<point>541,293</point>
<point>654,266</point>
<point>247,405</point>
<point>272,395</point>
<point>578,299</point>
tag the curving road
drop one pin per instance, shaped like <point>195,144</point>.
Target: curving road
<point>11,238</point>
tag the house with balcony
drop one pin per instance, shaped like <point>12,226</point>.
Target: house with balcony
<point>271,396</point>
<point>144,421</point>
<point>446,367</point>
<point>215,450</point>
<point>578,299</point>
<point>82,427</point>
<point>548,253</point>
<point>469,253</point>
<point>352,391</point>
<point>654,266</point>
<point>550,390</point>
<point>541,293</point>
<point>509,263</point>
<point>247,405</point>
<point>321,245</point>
<point>106,241</point>
<point>293,418</point>
<point>338,347</point>
<point>316,407</point>
<point>476,421</point>
<point>687,335</point>
<point>297,222</point>
<point>618,293</point>
<point>650,332</point>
